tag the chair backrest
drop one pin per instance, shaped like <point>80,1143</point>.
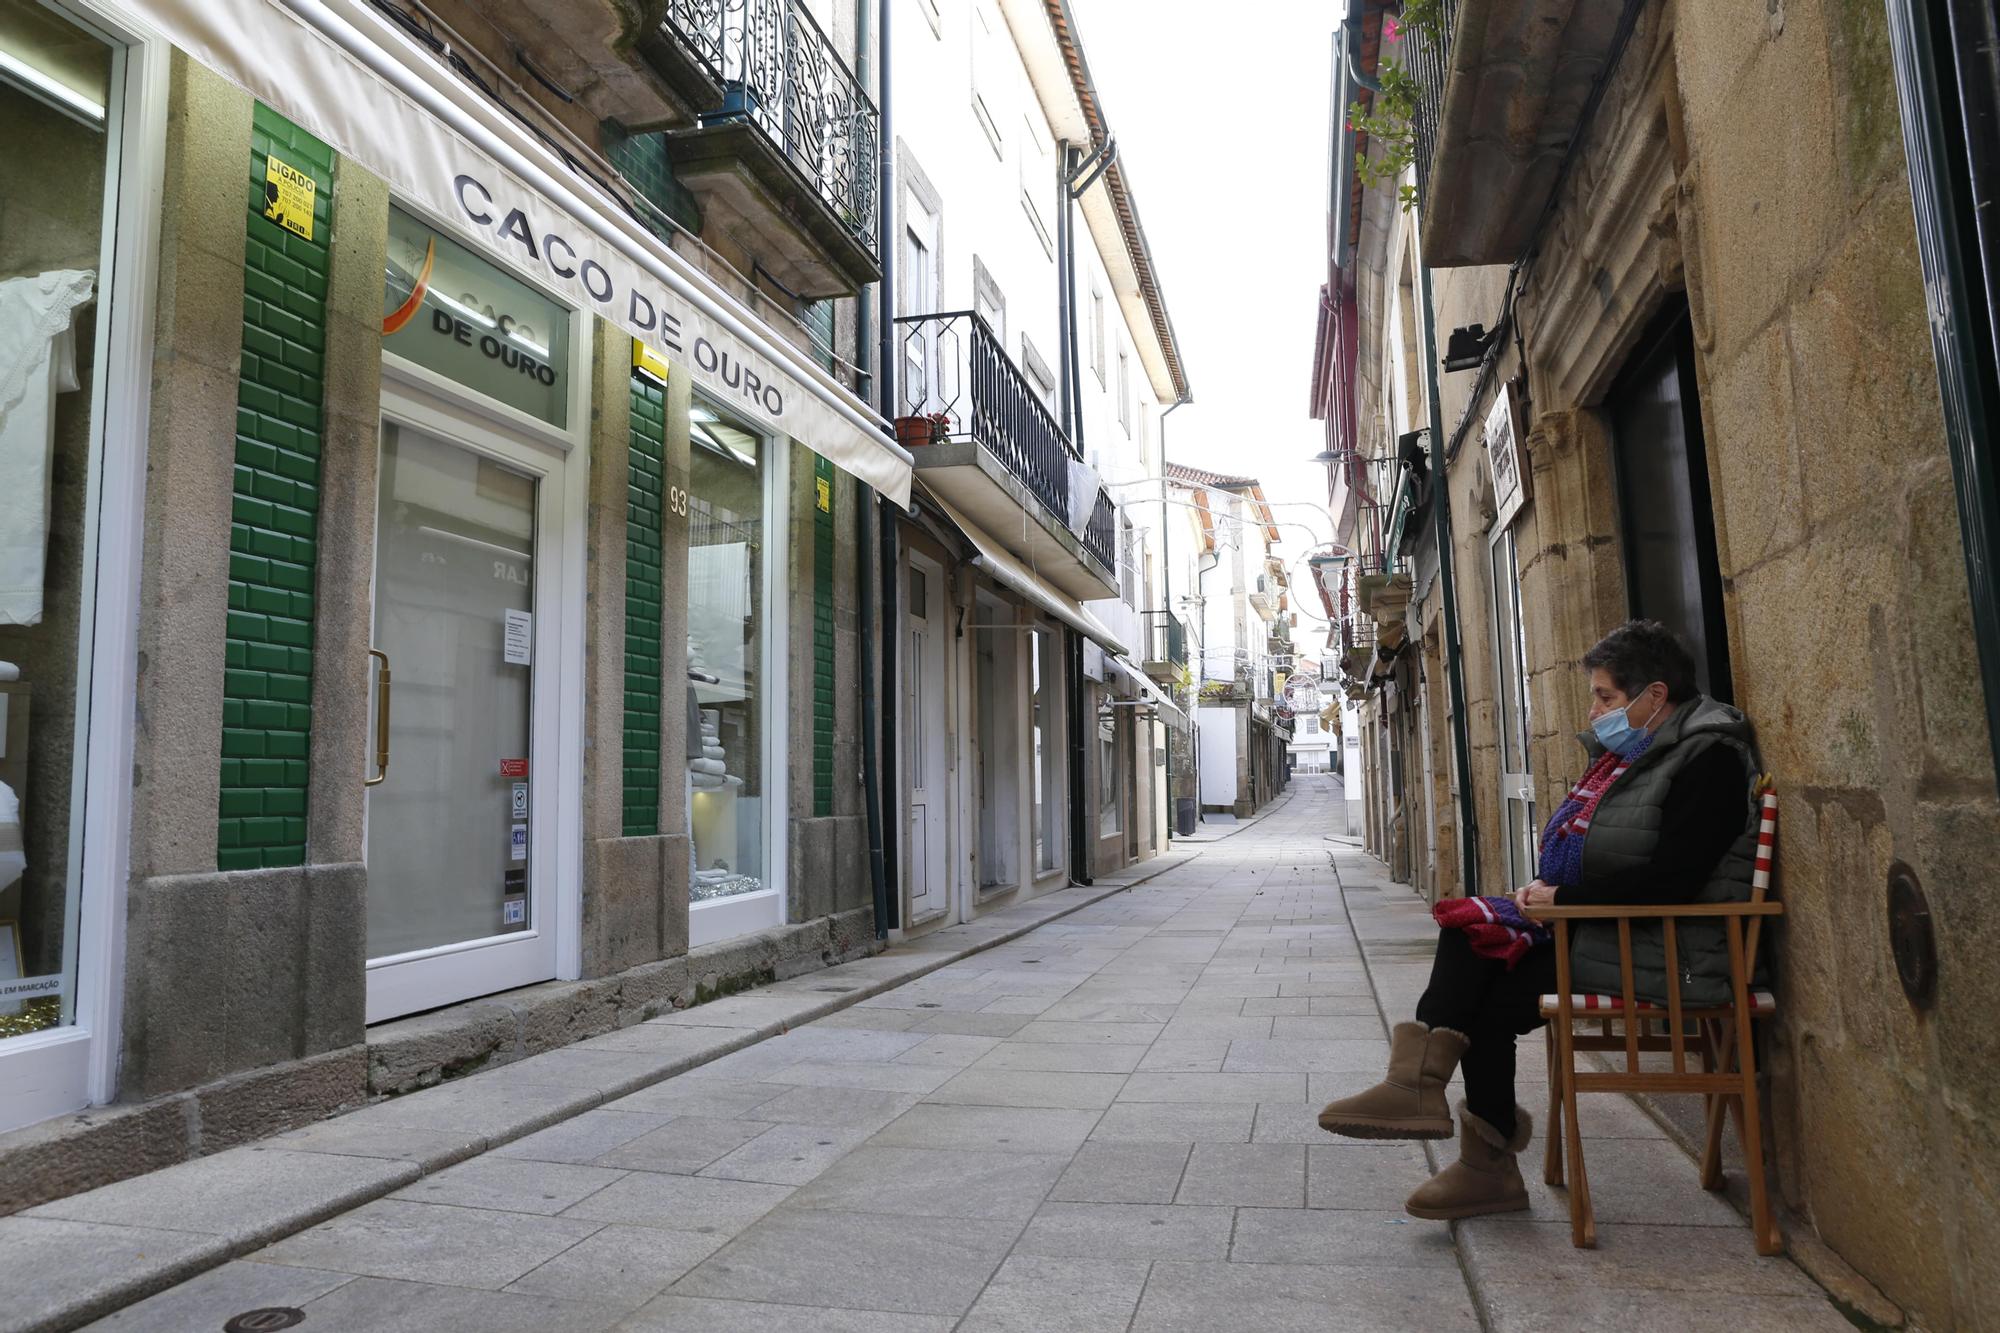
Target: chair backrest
<point>1760,877</point>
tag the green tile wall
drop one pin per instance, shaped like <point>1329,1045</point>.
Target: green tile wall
<point>646,454</point>
<point>273,540</point>
<point>642,160</point>
<point>822,686</point>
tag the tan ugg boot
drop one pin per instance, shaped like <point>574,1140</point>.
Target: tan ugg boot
<point>1409,1103</point>
<point>1486,1178</point>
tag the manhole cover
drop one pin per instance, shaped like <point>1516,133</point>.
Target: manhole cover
<point>265,1320</point>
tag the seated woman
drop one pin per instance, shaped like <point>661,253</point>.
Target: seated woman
<point>1664,814</point>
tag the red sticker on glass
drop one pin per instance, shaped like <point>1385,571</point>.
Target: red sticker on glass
<point>513,768</point>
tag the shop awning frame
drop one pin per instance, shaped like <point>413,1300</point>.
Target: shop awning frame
<point>994,559</point>
<point>1170,712</point>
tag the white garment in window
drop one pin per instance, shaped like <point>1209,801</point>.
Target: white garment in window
<point>37,361</point>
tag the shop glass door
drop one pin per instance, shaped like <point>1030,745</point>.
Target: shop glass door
<point>459,864</point>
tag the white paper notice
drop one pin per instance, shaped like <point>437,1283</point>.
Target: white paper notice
<point>520,637</point>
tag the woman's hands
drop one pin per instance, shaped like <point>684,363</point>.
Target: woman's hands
<point>1536,894</point>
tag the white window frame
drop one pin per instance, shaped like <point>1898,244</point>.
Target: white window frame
<point>62,1069</point>
<point>982,79</point>
<point>1036,178</point>
<point>1125,391</point>
<point>1097,330</point>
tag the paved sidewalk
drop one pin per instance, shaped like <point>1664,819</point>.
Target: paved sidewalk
<point>1106,1123</point>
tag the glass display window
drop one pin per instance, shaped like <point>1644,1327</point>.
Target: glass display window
<point>726,684</point>
<point>60,101</point>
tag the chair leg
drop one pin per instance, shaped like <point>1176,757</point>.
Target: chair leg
<point>1713,1052</point>
<point>1552,1150</point>
<point>1750,1127</point>
<point>1582,1223</point>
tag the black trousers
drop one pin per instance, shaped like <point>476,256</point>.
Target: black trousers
<point>1492,1006</point>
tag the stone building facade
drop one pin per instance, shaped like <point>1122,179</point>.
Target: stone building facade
<point>472,523</point>
<point>1687,233</point>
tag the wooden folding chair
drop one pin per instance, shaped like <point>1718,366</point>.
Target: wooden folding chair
<point>1728,1077</point>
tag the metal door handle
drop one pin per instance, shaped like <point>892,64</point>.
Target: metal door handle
<point>381,721</point>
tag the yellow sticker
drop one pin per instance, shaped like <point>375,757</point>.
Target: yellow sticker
<point>648,361</point>
<point>288,197</point>
<point>825,489</point>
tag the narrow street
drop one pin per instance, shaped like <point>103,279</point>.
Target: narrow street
<point>1105,1124</point>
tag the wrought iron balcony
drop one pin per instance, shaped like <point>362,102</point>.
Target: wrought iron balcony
<point>978,428</point>
<point>1100,535</point>
<point>1165,642</point>
<point>780,73</point>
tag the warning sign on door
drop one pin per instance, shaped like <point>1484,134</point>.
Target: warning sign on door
<point>288,197</point>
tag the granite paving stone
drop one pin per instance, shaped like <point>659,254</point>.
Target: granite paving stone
<point>680,1203</point>
<point>1031,1294</point>
<point>510,1184</point>
<point>1106,1122</point>
<point>211,1300</point>
<point>934,1182</point>
<point>622,1265</point>
<point>684,1144</point>
<point>861,1261</point>
<point>425,1242</point>
<point>1104,1172</point>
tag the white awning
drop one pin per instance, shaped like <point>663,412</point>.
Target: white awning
<point>1170,712</point>
<point>993,558</point>
<point>347,75</point>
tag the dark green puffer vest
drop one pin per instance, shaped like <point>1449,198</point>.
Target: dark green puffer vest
<point>1624,832</point>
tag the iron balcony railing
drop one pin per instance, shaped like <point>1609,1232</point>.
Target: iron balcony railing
<point>1429,59</point>
<point>1100,535</point>
<point>780,73</point>
<point>1166,638</point>
<point>959,384</point>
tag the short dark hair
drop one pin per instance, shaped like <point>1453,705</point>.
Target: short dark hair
<point>1640,652</point>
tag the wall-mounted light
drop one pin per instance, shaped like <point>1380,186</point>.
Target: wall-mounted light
<point>1467,347</point>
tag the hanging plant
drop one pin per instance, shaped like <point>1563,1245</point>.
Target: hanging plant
<point>1391,122</point>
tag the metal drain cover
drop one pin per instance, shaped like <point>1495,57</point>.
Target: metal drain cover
<point>266,1320</point>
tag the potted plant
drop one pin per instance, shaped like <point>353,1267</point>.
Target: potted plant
<point>930,428</point>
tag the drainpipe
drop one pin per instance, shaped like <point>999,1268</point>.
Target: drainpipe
<point>1065,290</point>
<point>1081,803</point>
<point>1454,664</point>
<point>865,517</point>
<point>883,853</point>
<point>864,313</point>
<point>1167,602</point>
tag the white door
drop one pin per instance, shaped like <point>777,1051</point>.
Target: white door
<point>927,748</point>
<point>464,768</point>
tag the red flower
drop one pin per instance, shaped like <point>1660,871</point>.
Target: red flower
<point>1390,28</point>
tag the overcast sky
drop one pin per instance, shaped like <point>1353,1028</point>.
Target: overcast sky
<point>1220,112</point>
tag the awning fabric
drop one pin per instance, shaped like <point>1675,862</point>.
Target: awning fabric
<point>1170,712</point>
<point>341,71</point>
<point>995,560</point>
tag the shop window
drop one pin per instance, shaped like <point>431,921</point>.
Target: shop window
<point>725,603</point>
<point>58,100</point>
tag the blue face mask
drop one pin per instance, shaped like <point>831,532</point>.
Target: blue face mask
<point>1616,733</point>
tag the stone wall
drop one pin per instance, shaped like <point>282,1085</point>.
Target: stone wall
<point>1751,164</point>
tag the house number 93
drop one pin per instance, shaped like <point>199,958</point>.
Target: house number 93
<point>677,500</point>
